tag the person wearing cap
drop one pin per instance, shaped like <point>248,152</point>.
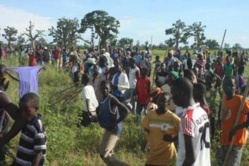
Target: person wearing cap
<point>88,65</point>
<point>47,55</point>
<point>173,75</point>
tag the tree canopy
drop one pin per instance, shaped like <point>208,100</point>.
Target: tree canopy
<point>32,37</point>
<point>180,34</point>
<point>104,26</point>
<point>197,31</point>
<point>212,44</point>
<point>66,33</point>
<point>125,42</point>
<point>9,35</point>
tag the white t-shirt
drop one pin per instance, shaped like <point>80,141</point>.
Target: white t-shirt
<point>133,77</point>
<point>88,93</point>
<point>195,123</point>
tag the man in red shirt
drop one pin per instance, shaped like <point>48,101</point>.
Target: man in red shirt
<point>143,92</point>
<point>32,58</point>
<point>57,56</point>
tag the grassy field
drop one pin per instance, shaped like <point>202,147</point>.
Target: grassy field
<point>69,145</point>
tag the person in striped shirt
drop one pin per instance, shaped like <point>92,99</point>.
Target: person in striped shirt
<point>32,145</point>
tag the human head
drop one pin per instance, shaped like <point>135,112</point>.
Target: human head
<point>240,71</point>
<point>144,72</point>
<point>105,88</point>
<point>170,53</point>
<point>178,52</point>
<point>102,61</point>
<point>200,56</point>
<point>228,58</point>
<point>173,75</point>
<point>199,91</point>
<point>157,57</point>
<point>190,75</point>
<point>229,86</point>
<point>116,63</point>
<point>29,105</point>
<point>182,92</point>
<point>132,62</point>
<point>163,101</point>
<point>85,79</point>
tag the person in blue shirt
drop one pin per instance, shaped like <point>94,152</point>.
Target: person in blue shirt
<point>110,113</point>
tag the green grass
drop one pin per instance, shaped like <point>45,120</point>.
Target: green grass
<point>69,145</point>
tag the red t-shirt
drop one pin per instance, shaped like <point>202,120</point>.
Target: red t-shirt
<point>32,60</point>
<point>56,54</point>
<point>143,90</point>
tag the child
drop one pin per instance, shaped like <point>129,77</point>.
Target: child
<point>157,66</point>
<point>4,126</point>
<point>33,141</point>
<point>230,107</point>
<point>110,114</point>
<point>229,67</point>
<point>143,92</point>
<point>90,102</point>
<point>161,126</point>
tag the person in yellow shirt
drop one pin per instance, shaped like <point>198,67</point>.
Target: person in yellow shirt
<point>162,127</point>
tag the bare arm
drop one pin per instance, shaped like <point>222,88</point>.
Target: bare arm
<point>14,113</point>
<point>190,156</point>
<point>11,76</point>
<point>37,158</point>
<point>138,74</point>
<point>121,108</point>
<point>87,107</point>
<point>5,130</point>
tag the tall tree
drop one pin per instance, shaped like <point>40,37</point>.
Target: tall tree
<point>170,43</point>
<point>125,42</point>
<point>41,41</point>
<point>32,37</point>
<point>197,31</point>
<point>180,33</point>
<point>9,34</point>
<point>237,46</point>
<point>105,26</point>
<point>226,46</point>
<point>20,40</point>
<point>66,33</point>
<point>212,43</point>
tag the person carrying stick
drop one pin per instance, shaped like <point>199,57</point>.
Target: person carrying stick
<point>231,108</point>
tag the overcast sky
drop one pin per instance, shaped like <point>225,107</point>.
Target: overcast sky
<point>141,20</point>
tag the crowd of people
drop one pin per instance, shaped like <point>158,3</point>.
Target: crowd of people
<point>181,104</point>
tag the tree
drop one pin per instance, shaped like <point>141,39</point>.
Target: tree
<point>41,41</point>
<point>237,46</point>
<point>170,42</point>
<point>226,46</point>
<point>125,42</point>
<point>180,33</point>
<point>212,43</point>
<point>197,31</point>
<point>20,40</point>
<point>31,36</point>
<point>9,35</point>
<point>66,33</point>
<point>104,26</point>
